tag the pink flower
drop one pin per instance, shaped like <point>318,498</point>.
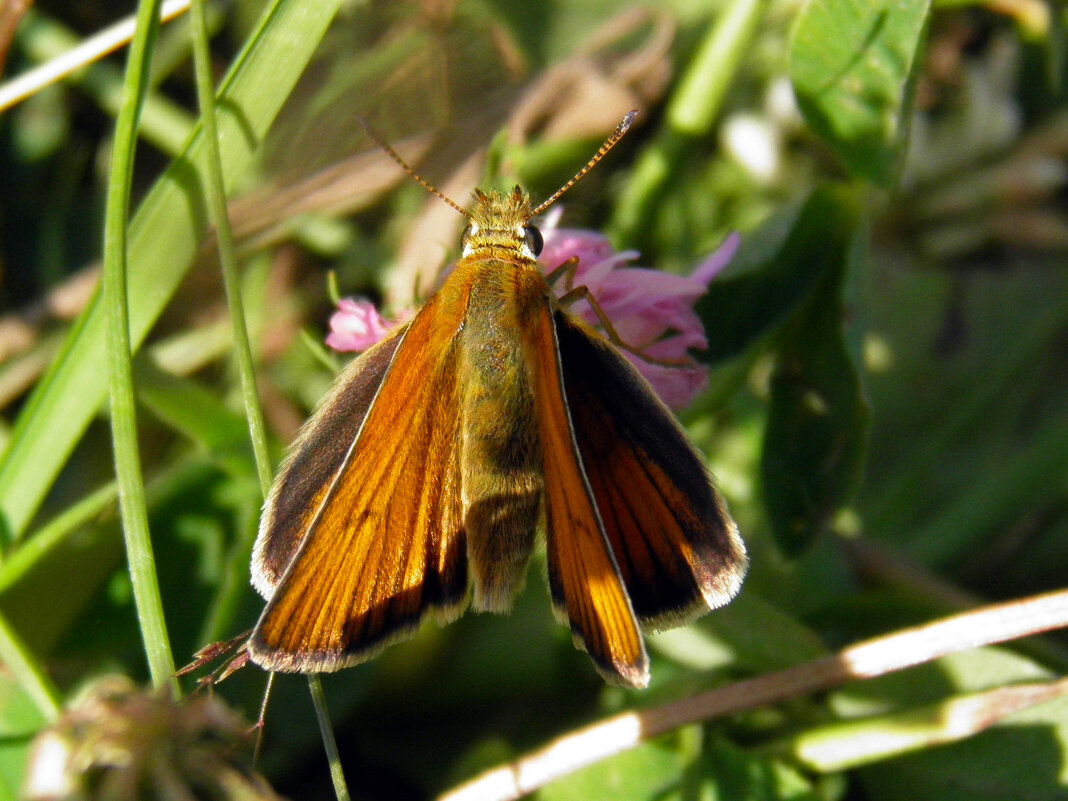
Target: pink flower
<point>357,325</point>
<point>651,311</point>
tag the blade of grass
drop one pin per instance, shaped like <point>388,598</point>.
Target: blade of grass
<point>132,505</point>
<point>242,349</point>
<point>18,661</point>
<point>224,238</point>
<point>164,236</point>
<point>322,714</point>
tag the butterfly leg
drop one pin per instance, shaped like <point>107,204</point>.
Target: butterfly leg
<point>583,293</point>
<point>566,269</point>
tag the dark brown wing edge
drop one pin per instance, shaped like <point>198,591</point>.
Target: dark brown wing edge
<point>677,548</point>
<point>384,544</point>
<point>314,456</point>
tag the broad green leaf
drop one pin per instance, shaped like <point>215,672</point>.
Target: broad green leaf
<point>818,420</point>
<point>164,235</point>
<point>773,272</point>
<point>852,64</point>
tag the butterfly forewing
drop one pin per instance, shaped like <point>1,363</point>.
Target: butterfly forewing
<point>385,544</point>
<point>583,577</point>
<point>314,458</point>
<point>677,549</point>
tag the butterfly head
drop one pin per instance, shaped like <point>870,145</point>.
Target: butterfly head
<point>501,222</point>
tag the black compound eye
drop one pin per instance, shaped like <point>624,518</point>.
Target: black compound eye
<point>532,237</point>
<point>465,236</point>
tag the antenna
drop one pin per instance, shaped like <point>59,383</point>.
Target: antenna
<point>617,134</point>
<point>429,187</point>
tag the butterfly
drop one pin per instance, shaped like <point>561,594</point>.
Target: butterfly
<point>420,484</point>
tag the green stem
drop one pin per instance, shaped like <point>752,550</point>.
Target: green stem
<point>242,349</point>
<point>696,101</point>
<point>690,114</point>
<point>225,239</point>
<point>322,714</point>
<point>123,413</point>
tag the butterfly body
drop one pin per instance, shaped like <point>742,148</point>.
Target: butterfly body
<point>421,482</point>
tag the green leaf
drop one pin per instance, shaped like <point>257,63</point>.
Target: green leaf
<point>775,269</point>
<point>20,720</point>
<point>730,773</point>
<point>164,235</point>
<point>852,63</point>
<point>652,770</point>
<point>1025,756</point>
<point>749,634</point>
<point>818,420</point>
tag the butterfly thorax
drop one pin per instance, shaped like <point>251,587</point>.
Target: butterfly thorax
<point>500,289</point>
<point>500,227</point>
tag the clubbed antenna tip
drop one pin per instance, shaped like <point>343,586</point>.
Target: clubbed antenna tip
<point>617,134</point>
<point>609,143</point>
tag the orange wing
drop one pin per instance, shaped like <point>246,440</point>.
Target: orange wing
<point>314,458</point>
<point>383,544</point>
<point>583,577</point>
<point>677,548</point>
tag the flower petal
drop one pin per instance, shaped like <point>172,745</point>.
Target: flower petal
<point>676,386</point>
<point>720,258</point>
<point>356,325</point>
<point>651,311</point>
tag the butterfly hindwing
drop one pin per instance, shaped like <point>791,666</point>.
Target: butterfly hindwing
<point>677,549</point>
<point>583,577</point>
<point>385,543</point>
